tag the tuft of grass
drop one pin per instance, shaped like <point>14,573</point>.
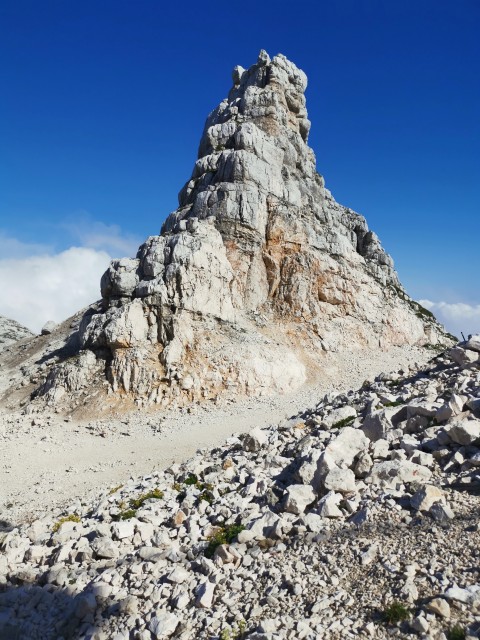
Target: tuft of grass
<point>154,494</point>
<point>135,503</point>
<point>70,518</point>
<point>191,480</point>
<point>395,612</point>
<point>343,423</point>
<point>456,633</point>
<point>237,633</point>
<point>224,536</point>
<point>126,515</point>
<point>395,403</point>
<point>115,489</point>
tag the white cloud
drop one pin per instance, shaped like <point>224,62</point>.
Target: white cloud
<point>41,283</point>
<point>39,288</point>
<point>457,317</point>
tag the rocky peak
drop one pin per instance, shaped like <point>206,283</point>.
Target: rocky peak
<point>257,273</point>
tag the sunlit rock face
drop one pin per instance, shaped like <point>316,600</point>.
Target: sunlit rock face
<point>256,274</point>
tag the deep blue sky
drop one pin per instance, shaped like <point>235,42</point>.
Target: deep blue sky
<point>104,103</point>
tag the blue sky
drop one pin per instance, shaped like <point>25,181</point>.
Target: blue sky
<point>104,104</point>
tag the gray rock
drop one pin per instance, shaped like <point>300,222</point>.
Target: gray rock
<point>298,497</point>
<point>205,595</point>
<point>254,191</point>
<point>392,473</point>
<point>48,327</point>
<point>340,480</point>
<point>463,431</point>
<point>473,343</point>
<point>441,512</point>
<point>163,624</point>
<point>423,499</point>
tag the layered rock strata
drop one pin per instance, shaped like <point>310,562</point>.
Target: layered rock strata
<point>256,272</point>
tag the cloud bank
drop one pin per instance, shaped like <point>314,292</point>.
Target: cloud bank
<point>457,317</point>
<point>39,288</point>
<point>40,282</point>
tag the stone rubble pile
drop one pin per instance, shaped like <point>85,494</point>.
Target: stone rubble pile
<point>256,274</point>
<point>322,526</point>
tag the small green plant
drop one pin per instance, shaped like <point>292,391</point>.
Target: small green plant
<point>343,423</point>
<point>395,612</point>
<point>456,633</point>
<point>135,503</point>
<point>191,480</point>
<point>70,518</point>
<point>434,347</point>
<point>154,494</point>
<point>126,515</point>
<point>207,496</point>
<point>395,403</point>
<point>224,536</point>
<point>237,633</point>
<point>115,489</point>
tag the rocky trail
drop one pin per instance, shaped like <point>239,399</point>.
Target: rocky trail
<point>47,459</point>
<point>358,518</point>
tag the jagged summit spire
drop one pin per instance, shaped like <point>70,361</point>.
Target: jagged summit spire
<point>256,274</point>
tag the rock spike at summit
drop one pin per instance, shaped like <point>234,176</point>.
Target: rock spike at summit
<point>256,274</point>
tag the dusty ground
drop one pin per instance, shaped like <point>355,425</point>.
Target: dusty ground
<point>46,461</point>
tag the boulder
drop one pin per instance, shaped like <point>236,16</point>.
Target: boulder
<point>473,343</point>
<point>423,499</point>
<point>340,481</point>
<point>298,497</point>
<point>391,473</point>
<point>463,430</point>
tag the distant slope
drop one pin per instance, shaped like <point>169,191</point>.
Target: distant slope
<point>11,331</point>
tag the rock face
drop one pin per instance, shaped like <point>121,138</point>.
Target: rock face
<point>12,331</point>
<point>256,272</point>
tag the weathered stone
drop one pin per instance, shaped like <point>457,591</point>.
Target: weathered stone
<point>12,331</point>
<point>439,607</point>
<point>48,327</point>
<point>205,595</point>
<point>391,473</point>
<point>340,480</point>
<point>298,497</point>
<point>346,446</point>
<point>463,431</point>
<point>473,343</point>
<point>256,234</point>
<point>255,440</point>
<point>163,624</point>
<point>423,499</point>
<point>441,512</point>
<point>363,465</point>
<point>328,505</point>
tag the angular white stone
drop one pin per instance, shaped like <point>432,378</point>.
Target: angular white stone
<point>298,497</point>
